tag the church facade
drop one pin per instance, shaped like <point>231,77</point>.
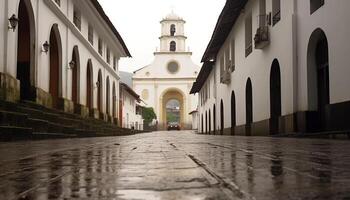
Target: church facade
<point>171,74</point>
<point>60,54</point>
<point>286,72</point>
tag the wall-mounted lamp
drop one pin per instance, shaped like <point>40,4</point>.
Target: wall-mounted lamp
<point>97,84</point>
<point>46,47</point>
<point>71,64</point>
<point>13,22</point>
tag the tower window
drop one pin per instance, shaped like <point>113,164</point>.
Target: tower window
<point>315,5</point>
<point>172,30</point>
<point>172,46</point>
<point>276,11</point>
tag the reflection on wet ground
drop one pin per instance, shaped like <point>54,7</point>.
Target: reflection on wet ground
<point>175,165</point>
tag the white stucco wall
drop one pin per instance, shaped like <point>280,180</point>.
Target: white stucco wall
<point>46,14</point>
<point>130,118</point>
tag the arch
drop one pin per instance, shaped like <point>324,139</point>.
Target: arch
<point>275,97</point>
<point>172,29</point>
<point>99,91</point>
<point>114,99</point>
<point>206,122</point>
<point>76,75</point>
<point>209,122</point>
<point>89,86</point>
<point>318,74</point>
<point>26,48</point>
<point>108,96</point>
<point>249,106</point>
<point>172,94</point>
<point>172,46</point>
<point>233,112</point>
<point>214,119</point>
<point>222,122</point>
<point>55,65</point>
<point>202,130</point>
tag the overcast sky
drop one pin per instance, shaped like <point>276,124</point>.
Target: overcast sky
<point>137,21</point>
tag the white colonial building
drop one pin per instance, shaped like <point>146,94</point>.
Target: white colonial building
<point>277,66</point>
<point>61,54</point>
<point>171,75</point>
<point>130,113</point>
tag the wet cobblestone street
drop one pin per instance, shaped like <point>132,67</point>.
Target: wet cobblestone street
<point>175,165</point>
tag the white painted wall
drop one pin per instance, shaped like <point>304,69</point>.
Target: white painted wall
<point>289,41</point>
<point>48,13</point>
<point>130,118</point>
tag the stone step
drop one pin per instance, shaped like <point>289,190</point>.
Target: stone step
<point>8,133</point>
<point>41,136</point>
<point>12,118</point>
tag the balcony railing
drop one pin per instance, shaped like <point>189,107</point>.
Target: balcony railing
<point>276,17</point>
<point>248,50</point>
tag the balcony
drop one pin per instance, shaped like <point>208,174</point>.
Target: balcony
<point>226,77</point>
<point>261,38</point>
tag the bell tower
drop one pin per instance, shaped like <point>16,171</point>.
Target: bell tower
<point>172,39</point>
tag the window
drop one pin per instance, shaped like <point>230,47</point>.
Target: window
<point>248,35</point>
<point>227,58</point>
<point>222,67</point>
<point>172,30</point>
<point>262,13</point>
<point>100,48</point>
<point>315,5</point>
<point>276,11</point>
<point>172,46</point>
<point>77,18</point>
<point>58,2</point>
<point>91,35</point>
<point>108,56</point>
<point>233,55</point>
<point>114,63</point>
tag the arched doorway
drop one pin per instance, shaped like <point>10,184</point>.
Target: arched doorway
<point>99,91</point>
<point>89,86</point>
<point>209,122</point>
<point>249,106</point>
<point>222,123</point>
<point>107,96</point>
<point>318,75</point>
<point>76,75</point>
<point>202,130</point>
<point>206,122</point>
<point>172,107</point>
<point>55,64</point>
<point>214,119</point>
<point>233,112</point>
<point>25,48</point>
<point>275,97</point>
<point>114,99</point>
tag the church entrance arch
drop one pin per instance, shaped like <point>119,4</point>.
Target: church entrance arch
<point>25,48</point>
<point>172,107</point>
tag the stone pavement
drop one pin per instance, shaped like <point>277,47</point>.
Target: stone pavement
<point>175,165</point>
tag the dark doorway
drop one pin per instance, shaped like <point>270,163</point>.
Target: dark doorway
<point>206,122</point>
<point>202,124</point>
<point>318,76</point>
<point>55,63</point>
<point>25,48</point>
<point>99,91</point>
<point>107,96</point>
<point>233,113</point>
<point>321,57</point>
<point>214,119</point>
<point>75,75</point>
<point>114,102</point>
<point>89,86</point>
<point>275,97</point>
<point>249,107</point>
<point>209,122</point>
<point>222,122</point>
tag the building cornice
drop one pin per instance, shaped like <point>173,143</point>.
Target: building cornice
<point>175,36</point>
<point>56,10</point>
<point>165,79</point>
<point>173,53</point>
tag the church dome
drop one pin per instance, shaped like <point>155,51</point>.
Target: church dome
<point>172,16</point>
